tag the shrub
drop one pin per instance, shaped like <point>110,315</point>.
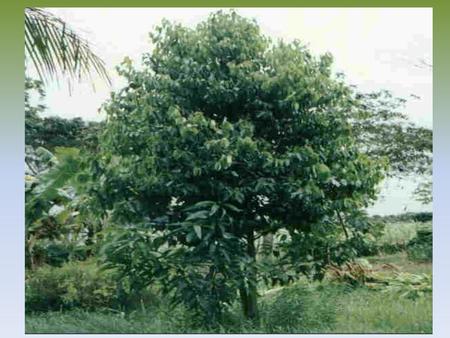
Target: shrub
<point>420,248</point>
<point>55,253</point>
<point>423,217</point>
<point>74,284</point>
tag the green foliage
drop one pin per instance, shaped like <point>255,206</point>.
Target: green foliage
<point>424,191</point>
<point>53,252</point>
<point>310,253</point>
<point>295,309</point>
<point>332,308</point>
<point>420,248</point>
<point>396,236</point>
<point>59,224</point>
<point>47,199</point>
<point>181,274</point>
<point>32,119</point>
<point>382,129</point>
<point>73,285</point>
<point>52,132</point>
<point>223,137</point>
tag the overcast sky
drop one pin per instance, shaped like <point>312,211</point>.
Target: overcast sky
<point>375,48</point>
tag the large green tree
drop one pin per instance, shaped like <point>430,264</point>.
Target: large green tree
<point>225,136</point>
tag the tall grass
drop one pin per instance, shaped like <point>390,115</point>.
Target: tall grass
<point>365,311</point>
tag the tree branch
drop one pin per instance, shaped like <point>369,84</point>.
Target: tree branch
<point>342,224</point>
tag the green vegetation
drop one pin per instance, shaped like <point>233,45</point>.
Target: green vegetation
<point>202,177</point>
<point>364,311</point>
<point>332,307</point>
<point>313,308</point>
<point>73,285</point>
<point>420,248</point>
<point>225,192</point>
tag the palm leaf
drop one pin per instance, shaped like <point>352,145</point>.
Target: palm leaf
<point>55,49</point>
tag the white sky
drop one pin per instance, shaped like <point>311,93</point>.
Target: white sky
<point>376,48</point>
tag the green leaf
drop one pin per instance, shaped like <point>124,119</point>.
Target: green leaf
<point>232,207</point>
<point>229,160</point>
<point>198,231</point>
<point>202,214</point>
<point>214,209</point>
<point>323,171</point>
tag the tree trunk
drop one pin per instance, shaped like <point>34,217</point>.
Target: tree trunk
<point>248,292</point>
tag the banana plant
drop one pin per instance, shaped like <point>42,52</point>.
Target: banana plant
<point>51,199</point>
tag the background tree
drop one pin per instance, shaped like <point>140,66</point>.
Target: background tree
<point>222,138</point>
<point>54,131</point>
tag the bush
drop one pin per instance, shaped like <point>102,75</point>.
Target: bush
<point>55,253</point>
<point>74,284</point>
<point>423,217</point>
<point>420,248</point>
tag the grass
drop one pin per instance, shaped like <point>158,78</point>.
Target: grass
<point>365,311</point>
<point>96,322</point>
<point>306,311</point>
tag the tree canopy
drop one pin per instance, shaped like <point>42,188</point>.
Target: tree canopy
<point>225,136</point>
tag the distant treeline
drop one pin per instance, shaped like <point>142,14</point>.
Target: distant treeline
<point>405,217</point>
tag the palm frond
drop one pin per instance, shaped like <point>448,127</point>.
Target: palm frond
<point>55,49</point>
